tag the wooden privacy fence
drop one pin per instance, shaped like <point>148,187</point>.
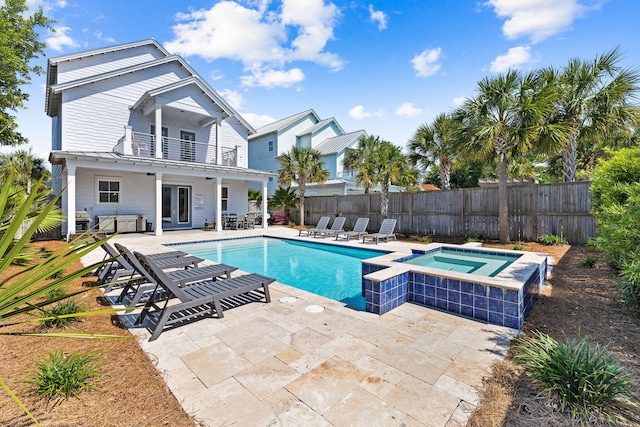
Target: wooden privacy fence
<point>563,209</point>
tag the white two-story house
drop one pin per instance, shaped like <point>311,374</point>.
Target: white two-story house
<point>306,129</point>
<point>141,142</point>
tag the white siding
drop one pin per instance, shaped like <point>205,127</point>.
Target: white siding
<point>98,64</point>
<point>230,137</point>
<point>93,118</point>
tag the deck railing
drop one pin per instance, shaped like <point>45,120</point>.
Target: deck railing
<point>144,145</point>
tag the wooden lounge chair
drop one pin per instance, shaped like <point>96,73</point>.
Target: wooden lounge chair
<point>138,286</point>
<point>338,225</point>
<point>322,224</point>
<point>385,233</point>
<point>359,230</point>
<point>196,297</point>
<point>120,268</point>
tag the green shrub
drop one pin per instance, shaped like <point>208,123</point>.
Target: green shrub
<point>552,240</point>
<point>630,285</point>
<point>67,306</point>
<point>472,239</point>
<point>615,190</point>
<point>292,224</point>
<point>425,239</point>
<point>589,261</point>
<point>518,246</point>
<point>56,293</point>
<point>405,232</point>
<point>61,377</point>
<point>585,378</point>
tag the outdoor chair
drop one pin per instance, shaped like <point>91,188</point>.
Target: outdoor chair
<point>359,230</point>
<point>195,298</point>
<point>323,223</point>
<point>137,288</point>
<point>337,226</point>
<point>385,233</point>
<point>250,221</point>
<point>120,268</point>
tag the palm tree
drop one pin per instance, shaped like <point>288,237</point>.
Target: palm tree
<point>28,168</point>
<point>508,117</point>
<point>302,165</point>
<point>594,101</point>
<point>435,144</point>
<point>284,197</point>
<point>355,159</point>
<point>390,166</point>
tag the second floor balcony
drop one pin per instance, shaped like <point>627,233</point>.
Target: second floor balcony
<point>184,150</point>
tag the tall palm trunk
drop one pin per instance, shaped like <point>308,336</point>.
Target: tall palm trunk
<point>301,190</point>
<point>384,199</point>
<point>445,174</point>
<point>503,199</point>
<point>570,157</point>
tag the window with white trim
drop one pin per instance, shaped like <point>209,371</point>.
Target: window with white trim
<point>109,191</point>
<point>225,198</point>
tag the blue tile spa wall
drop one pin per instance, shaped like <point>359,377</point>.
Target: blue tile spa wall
<point>385,295</point>
<point>505,307</point>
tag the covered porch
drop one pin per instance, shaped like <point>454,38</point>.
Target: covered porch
<point>164,194</point>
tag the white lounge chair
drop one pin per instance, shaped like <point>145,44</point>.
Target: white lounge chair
<point>359,230</point>
<point>385,233</point>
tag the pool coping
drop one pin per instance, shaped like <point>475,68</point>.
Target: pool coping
<point>513,276</point>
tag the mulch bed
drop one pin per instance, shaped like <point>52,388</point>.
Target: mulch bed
<point>129,391</point>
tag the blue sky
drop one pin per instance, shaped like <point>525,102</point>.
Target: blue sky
<point>382,66</point>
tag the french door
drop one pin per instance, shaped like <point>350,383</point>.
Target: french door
<point>176,206</point>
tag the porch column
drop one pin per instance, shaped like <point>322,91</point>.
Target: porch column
<point>127,149</point>
<point>264,204</point>
<point>218,145</point>
<point>158,135</point>
<point>158,201</point>
<point>71,200</point>
<point>218,196</point>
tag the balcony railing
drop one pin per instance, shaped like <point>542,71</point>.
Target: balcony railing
<point>144,145</point>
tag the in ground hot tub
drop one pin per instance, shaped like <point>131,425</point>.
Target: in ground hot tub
<point>492,285</point>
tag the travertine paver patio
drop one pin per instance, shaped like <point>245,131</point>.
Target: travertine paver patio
<point>279,364</point>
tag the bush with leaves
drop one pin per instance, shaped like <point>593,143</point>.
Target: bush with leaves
<point>584,377</point>
<point>616,202</point>
<point>552,240</point>
<point>63,376</point>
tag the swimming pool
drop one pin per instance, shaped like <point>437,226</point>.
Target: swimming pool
<point>477,262</point>
<point>328,270</point>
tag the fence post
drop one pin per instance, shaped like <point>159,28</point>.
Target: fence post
<point>534,211</point>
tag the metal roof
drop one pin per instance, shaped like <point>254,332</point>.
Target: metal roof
<point>60,157</point>
<point>282,124</point>
<point>338,143</point>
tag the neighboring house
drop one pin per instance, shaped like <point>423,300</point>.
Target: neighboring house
<point>140,138</point>
<point>306,129</point>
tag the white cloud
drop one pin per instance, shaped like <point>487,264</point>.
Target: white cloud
<point>234,98</point>
<point>258,120</point>
<point>427,62</point>
<point>264,40</point>
<point>514,57</point>
<point>537,19</point>
<point>459,100</point>
<point>273,78</point>
<point>408,110</point>
<point>379,17</point>
<point>358,112</point>
<point>59,39</point>
<point>100,36</point>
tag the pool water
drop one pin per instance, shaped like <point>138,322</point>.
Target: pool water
<point>328,270</point>
<point>480,263</point>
